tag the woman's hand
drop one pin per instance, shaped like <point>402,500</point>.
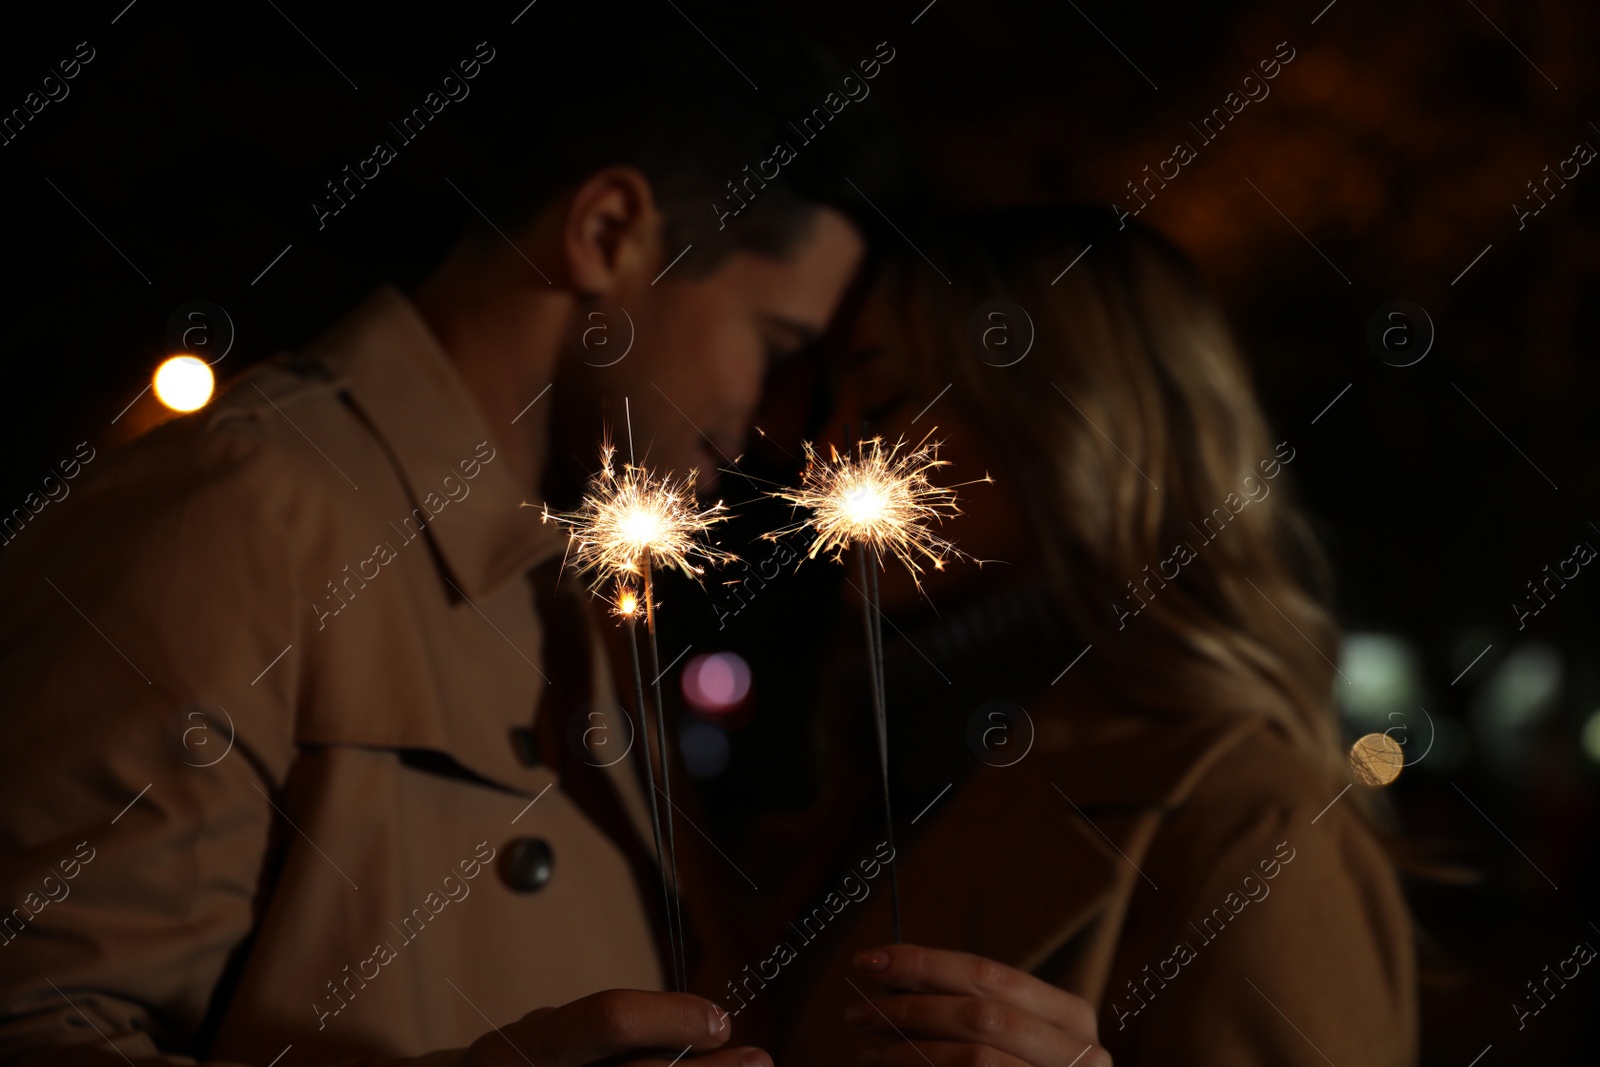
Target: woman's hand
<point>953,1009</point>
<point>618,1026</point>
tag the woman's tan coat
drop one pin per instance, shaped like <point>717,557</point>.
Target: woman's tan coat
<point>1194,879</point>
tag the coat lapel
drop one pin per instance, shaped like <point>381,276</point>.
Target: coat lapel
<point>1032,865</point>
<point>961,879</point>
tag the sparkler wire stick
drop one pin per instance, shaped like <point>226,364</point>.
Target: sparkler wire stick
<point>629,611</point>
<point>880,708</point>
<point>680,965</point>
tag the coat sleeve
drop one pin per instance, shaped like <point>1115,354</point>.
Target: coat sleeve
<point>1287,943</point>
<point>148,657</point>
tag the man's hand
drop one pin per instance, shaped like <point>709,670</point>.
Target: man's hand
<point>625,1027</point>
<point>958,1010</point>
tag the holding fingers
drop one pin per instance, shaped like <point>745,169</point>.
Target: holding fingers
<point>623,1027</point>
<point>959,1009</point>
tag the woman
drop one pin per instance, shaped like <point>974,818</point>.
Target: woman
<point>1146,848</point>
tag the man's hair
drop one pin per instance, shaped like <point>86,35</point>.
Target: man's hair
<point>593,83</point>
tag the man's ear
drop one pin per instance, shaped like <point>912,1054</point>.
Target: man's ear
<point>612,235</point>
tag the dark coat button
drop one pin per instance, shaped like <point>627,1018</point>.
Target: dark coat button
<point>524,744</point>
<point>527,863</point>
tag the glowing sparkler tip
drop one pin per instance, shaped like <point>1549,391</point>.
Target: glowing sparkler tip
<point>626,603</point>
<point>630,518</point>
<point>879,495</point>
<point>640,527</point>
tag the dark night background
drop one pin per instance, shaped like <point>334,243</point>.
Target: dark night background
<point>1396,141</point>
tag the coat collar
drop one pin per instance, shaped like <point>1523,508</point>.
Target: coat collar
<point>1076,816</point>
<point>387,362</point>
<point>1109,758</point>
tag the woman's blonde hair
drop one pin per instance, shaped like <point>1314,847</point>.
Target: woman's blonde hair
<point>1131,435</point>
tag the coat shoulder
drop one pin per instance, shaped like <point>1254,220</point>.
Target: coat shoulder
<point>1261,785</point>
<point>1263,766</point>
<point>269,459</point>
<point>1271,875</point>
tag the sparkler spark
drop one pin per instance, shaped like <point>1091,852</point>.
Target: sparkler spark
<point>632,518</point>
<point>625,602</point>
<point>880,496</point>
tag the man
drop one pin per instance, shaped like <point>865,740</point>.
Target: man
<point>288,766</point>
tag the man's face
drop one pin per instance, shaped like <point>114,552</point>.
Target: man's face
<point>702,347</point>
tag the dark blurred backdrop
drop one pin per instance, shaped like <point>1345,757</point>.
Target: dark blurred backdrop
<point>1384,165</point>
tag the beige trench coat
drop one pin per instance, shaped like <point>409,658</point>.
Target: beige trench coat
<point>268,675</point>
<point>1219,900</point>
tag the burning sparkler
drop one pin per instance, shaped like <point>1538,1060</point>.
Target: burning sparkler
<point>630,520</point>
<point>625,604</point>
<point>881,499</point>
<point>627,523</point>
